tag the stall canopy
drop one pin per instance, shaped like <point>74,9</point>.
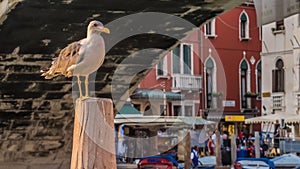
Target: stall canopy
<point>195,121</point>
<point>145,94</point>
<point>154,120</point>
<point>128,111</point>
<point>275,118</point>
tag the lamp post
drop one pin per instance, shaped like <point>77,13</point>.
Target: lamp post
<point>163,84</point>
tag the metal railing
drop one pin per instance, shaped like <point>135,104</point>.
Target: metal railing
<point>298,100</point>
<point>186,82</point>
<point>278,101</point>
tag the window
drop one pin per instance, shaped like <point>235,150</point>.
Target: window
<point>188,111</point>
<point>161,68</point>
<point>278,77</point>
<point>209,81</point>
<point>244,26</point>
<point>182,58</point>
<point>187,59</point>
<point>209,28</point>
<point>183,109</point>
<point>299,73</point>
<point>298,20</point>
<point>258,78</point>
<point>176,59</point>
<point>177,110</point>
<point>243,83</point>
<point>162,110</point>
<point>280,25</point>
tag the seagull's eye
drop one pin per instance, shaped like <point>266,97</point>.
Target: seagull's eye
<point>95,24</point>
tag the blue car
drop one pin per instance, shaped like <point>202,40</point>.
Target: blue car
<point>253,163</point>
<point>287,161</point>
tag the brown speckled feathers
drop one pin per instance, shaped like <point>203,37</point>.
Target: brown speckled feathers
<point>67,57</point>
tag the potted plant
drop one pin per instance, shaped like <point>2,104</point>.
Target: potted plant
<point>251,94</point>
<point>216,94</point>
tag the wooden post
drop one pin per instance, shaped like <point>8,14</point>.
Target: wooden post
<point>187,154</point>
<point>233,148</point>
<point>257,145</point>
<point>218,148</point>
<point>93,137</point>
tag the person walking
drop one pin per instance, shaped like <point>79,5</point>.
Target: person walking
<point>211,146</point>
<point>276,140</point>
<point>194,157</point>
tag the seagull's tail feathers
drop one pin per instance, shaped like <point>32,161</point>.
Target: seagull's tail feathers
<point>48,74</point>
<point>66,59</point>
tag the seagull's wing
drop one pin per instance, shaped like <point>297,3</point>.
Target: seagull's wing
<point>67,57</point>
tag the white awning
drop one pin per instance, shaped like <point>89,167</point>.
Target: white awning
<point>275,118</point>
<point>163,119</point>
<point>145,119</point>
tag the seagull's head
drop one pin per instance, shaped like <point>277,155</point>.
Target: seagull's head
<point>97,27</point>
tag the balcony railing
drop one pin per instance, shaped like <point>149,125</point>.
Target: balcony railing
<point>278,101</point>
<point>186,82</point>
<point>298,100</point>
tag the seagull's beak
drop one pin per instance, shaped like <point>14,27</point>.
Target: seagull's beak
<point>105,30</point>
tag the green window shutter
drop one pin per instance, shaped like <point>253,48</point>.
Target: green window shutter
<point>243,17</point>
<point>209,64</point>
<point>176,59</point>
<point>259,66</point>
<point>244,65</point>
<point>187,60</point>
<point>160,71</point>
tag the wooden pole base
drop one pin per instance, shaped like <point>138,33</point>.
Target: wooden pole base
<point>93,137</point>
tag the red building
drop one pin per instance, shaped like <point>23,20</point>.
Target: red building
<point>215,74</point>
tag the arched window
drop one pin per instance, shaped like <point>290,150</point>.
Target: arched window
<point>244,26</point>
<point>258,77</point>
<point>209,81</point>
<point>278,77</point>
<point>243,83</point>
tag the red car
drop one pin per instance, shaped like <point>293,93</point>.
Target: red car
<point>158,162</point>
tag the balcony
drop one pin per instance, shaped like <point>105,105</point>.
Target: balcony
<point>186,82</point>
<point>278,101</point>
<point>298,101</point>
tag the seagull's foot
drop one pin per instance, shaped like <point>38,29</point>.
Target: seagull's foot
<point>82,98</point>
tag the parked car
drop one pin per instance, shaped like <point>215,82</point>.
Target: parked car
<point>287,161</point>
<point>207,162</point>
<point>158,162</point>
<point>253,163</point>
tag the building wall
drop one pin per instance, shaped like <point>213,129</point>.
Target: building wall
<point>36,115</point>
<point>151,81</point>
<point>284,46</point>
<point>227,50</point>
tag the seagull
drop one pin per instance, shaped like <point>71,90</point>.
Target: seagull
<point>80,58</point>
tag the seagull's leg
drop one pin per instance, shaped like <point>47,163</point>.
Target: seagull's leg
<point>86,82</point>
<point>79,86</point>
<point>86,85</point>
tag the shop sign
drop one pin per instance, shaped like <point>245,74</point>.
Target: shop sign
<point>228,103</point>
<point>234,118</point>
<point>266,94</point>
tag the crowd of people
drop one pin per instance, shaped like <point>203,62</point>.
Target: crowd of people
<point>244,142</point>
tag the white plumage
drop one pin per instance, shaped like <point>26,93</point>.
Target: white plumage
<point>81,58</point>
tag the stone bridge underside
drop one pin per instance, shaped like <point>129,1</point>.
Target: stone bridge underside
<point>36,114</point>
